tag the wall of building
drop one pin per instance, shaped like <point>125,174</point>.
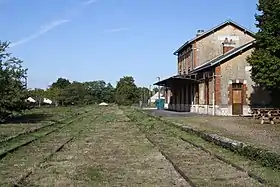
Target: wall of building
<point>235,68</point>
<point>211,46</point>
<point>211,90</point>
<point>238,69</point>
<point>185,60</point>
<point>201,94</point>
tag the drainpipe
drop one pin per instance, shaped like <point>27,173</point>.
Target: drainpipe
<point>213,94</point>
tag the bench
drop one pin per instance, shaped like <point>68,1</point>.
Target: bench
<point>270,114</point>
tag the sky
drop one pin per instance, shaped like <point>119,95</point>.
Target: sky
<point>85,40</point>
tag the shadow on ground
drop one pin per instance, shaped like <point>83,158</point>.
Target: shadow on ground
<point>168,113</point>
<point>28,118</point>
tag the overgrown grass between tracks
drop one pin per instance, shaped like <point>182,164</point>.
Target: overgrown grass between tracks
<point>25,138</point>
<point>148,123</point>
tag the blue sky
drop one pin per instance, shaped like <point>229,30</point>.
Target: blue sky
<point>87,40</point>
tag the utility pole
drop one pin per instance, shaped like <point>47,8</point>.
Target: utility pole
<point>150,95</point>
<point>158,91</point>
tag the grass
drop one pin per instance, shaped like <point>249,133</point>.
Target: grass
<point>17,163</point>
<point>36,118</point>
<point>108,151</point>
<point>66,113</point>
<point>198,165</point>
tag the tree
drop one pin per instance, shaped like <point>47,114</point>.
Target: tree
<point>108,93</point>
<point>38,94</point>
<point>265,59</point>
<point>126,91</point>
<point>155,89</point>
<point>61,83</point>
<point>95,91</point>
<point>73,94</point>
<point>145,94</point>
<point>53,94</point>
<point>12,83</point>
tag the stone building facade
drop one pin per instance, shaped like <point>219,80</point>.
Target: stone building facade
<point>213,75</point>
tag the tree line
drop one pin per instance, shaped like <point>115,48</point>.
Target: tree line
<point>65,93</point>
<point>14,92</point>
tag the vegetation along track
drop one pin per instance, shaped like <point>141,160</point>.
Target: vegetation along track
<point>33,130</point>
<point>16,142</point>
<point>196,165</point>
<point>31,170</point>
<point>16,168</point>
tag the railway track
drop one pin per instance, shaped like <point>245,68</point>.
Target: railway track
<point>176,167</point>
<point>31,170</point>
<point>10,138</point>
<point>14,143</point>
<point>226,161</point>
<point>38,152</point>
<point>197,165</point>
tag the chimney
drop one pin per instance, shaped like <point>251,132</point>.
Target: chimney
<point>199,32</point>
<point>228,45</point>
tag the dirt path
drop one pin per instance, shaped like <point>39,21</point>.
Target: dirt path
<point>109,152</point>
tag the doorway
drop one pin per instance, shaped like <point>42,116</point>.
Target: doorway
<point>237,95</point>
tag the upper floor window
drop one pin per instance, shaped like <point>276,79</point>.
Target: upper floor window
<point>237,85</point>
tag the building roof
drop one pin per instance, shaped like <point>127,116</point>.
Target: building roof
<point>223,57</point>
<point>174,78</point>
<point>228,22</point>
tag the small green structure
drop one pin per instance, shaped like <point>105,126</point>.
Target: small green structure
<point>160,104</point>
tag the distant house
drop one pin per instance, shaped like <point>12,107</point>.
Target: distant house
<point>47,101</point>
<point>213,75</point>
<point>31,100</point>
<point>155,97</point>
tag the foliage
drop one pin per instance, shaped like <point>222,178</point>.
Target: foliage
<point>61,83</point>
<point>73,94</point>
<point>145,94</point>
<point>12,83</point>
<point>155,90</point>
<point>65,93</point>
<point>108,93</point>
<point>265,60</point>
<point>126,91</point>
<point>37,94</point>
<point>76,93</point>
<point>54,94</point>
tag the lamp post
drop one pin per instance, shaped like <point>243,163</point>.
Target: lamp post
<point>150,94</point>
<point>158,92</point>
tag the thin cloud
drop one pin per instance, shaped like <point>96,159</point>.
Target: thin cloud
<point>44,29</point>
<point>115,30</point>
<point>89,2</point>
<point>50,26</point>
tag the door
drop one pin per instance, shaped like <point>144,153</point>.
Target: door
<point>237,104</point>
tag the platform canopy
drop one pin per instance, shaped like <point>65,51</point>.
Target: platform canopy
<point>176,79</point>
